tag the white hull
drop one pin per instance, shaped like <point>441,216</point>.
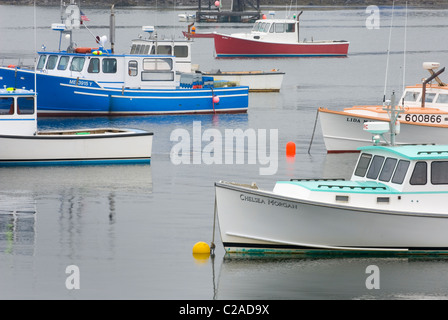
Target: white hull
<point>255,221</point>
<point>344,132</point>
<point>64,148</point>
<point>257,81</point>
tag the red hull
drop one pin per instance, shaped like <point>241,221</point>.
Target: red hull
<point>230,46</point>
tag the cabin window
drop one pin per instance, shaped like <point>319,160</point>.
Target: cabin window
<point>41,63</point>
<point>419,176</point>
<point>63,63</point>
<point>443,98</point>
<point>94,66</point>
<point>77,64</point>
<point>52,61</point>
<point>162,49</point>
<point>133,68</point>
<point>145,49</point>
<point>279,28</point>
<point>157,64</point>
<point>439,172</point>
<point>255,27</point>
<point>375,167</point>
<point>400,173</point>
<point>363,164</point>
<point>266,27</point>
<point>133,48</point>
<point>429,97</point>
<point>7,105</point>
<point>411,96</point>
<point>272,28</point>
<point>290,27</point>
<point>157,76</point>
<point>25,105</point>
<point>181,51</point>
<point>388,169</point>
<point>109,65</point>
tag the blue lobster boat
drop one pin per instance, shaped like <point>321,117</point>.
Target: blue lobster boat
<point>84,81</point>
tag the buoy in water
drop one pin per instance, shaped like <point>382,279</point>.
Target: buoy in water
<point>201,248</point>
<point>290,149</point>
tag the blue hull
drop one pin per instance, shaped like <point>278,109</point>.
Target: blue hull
<point>61,96</point>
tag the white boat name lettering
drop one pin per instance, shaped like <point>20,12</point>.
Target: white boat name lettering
<point>80,83</point>
<point>269,202</point>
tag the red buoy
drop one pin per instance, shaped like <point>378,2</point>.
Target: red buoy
<point>290,149</point>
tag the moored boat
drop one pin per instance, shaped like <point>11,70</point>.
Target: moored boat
<point>23,145</point>
<point>275,38</point>
<point>96,81</point>
<point>393,204</point>
<point>423,118</point>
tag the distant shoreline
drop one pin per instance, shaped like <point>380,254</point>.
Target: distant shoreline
<point>192,4</point>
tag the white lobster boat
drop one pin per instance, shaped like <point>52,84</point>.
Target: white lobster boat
<point>23,145</point>
<point>394,203</point>
<point>423,119</point>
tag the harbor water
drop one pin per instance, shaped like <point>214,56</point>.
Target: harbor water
<point>128,230</point>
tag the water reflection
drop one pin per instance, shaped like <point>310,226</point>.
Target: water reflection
<point>17,224</point>
<point>267,277</point>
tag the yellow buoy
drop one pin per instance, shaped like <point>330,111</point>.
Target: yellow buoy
<point>201,248</point>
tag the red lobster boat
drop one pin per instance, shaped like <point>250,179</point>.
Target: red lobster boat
<point>278,38</point>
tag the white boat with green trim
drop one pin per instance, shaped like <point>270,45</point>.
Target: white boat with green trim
<point>394,203</point>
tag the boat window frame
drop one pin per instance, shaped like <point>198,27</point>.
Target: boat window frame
<point>375,167</point>
<point>42,61</point>
<point>412,93</point>
<point>7,106</point>
<point>51,58</point>
<point>289,29</point>
<point>279,27</point>
<point>180,51</point>
<point>157,75</point>
<point>400,172</point>
<point>133,69</point>
<point>438,98</point>
<point>74,63</point>
<point>415,180</point>
<point>91,70</point>
<point>109,68</point>
<point>429,94</point>
<point>25,108</point>
<point>384,175</point>
<point>434,176</point>
<point>63,67</point>
<point>365,165</point>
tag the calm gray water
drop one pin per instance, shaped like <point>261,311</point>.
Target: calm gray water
<point>130,229</point>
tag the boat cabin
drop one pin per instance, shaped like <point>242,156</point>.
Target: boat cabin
<point>181,49</point>
<point>409,168</point>
<point>281,30</point>
<point>435,96</point>
<point>111,71</point>
<point>17,112</point>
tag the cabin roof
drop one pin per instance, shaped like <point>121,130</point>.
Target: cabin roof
<point>413,152</point>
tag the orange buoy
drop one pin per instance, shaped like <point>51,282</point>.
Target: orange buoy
<point>12,66</point>
<point>215,99</point>
<point>263,16</point>
<point>290,149</point>
<point>216,3</point>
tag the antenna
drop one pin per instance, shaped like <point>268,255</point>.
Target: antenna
<point>404,50</point>
<point>388,50</point>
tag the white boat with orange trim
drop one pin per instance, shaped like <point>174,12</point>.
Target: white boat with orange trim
<point>423,118</point>
<point>394,204</point>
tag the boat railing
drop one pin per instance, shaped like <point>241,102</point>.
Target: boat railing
<point>335,186</point>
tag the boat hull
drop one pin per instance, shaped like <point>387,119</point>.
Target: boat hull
<point>76,147</point>
<point>255,221</point>
<point>344,132</point>
<point>229,46</point>
<point>64,96</point>
<point>256,81</point>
